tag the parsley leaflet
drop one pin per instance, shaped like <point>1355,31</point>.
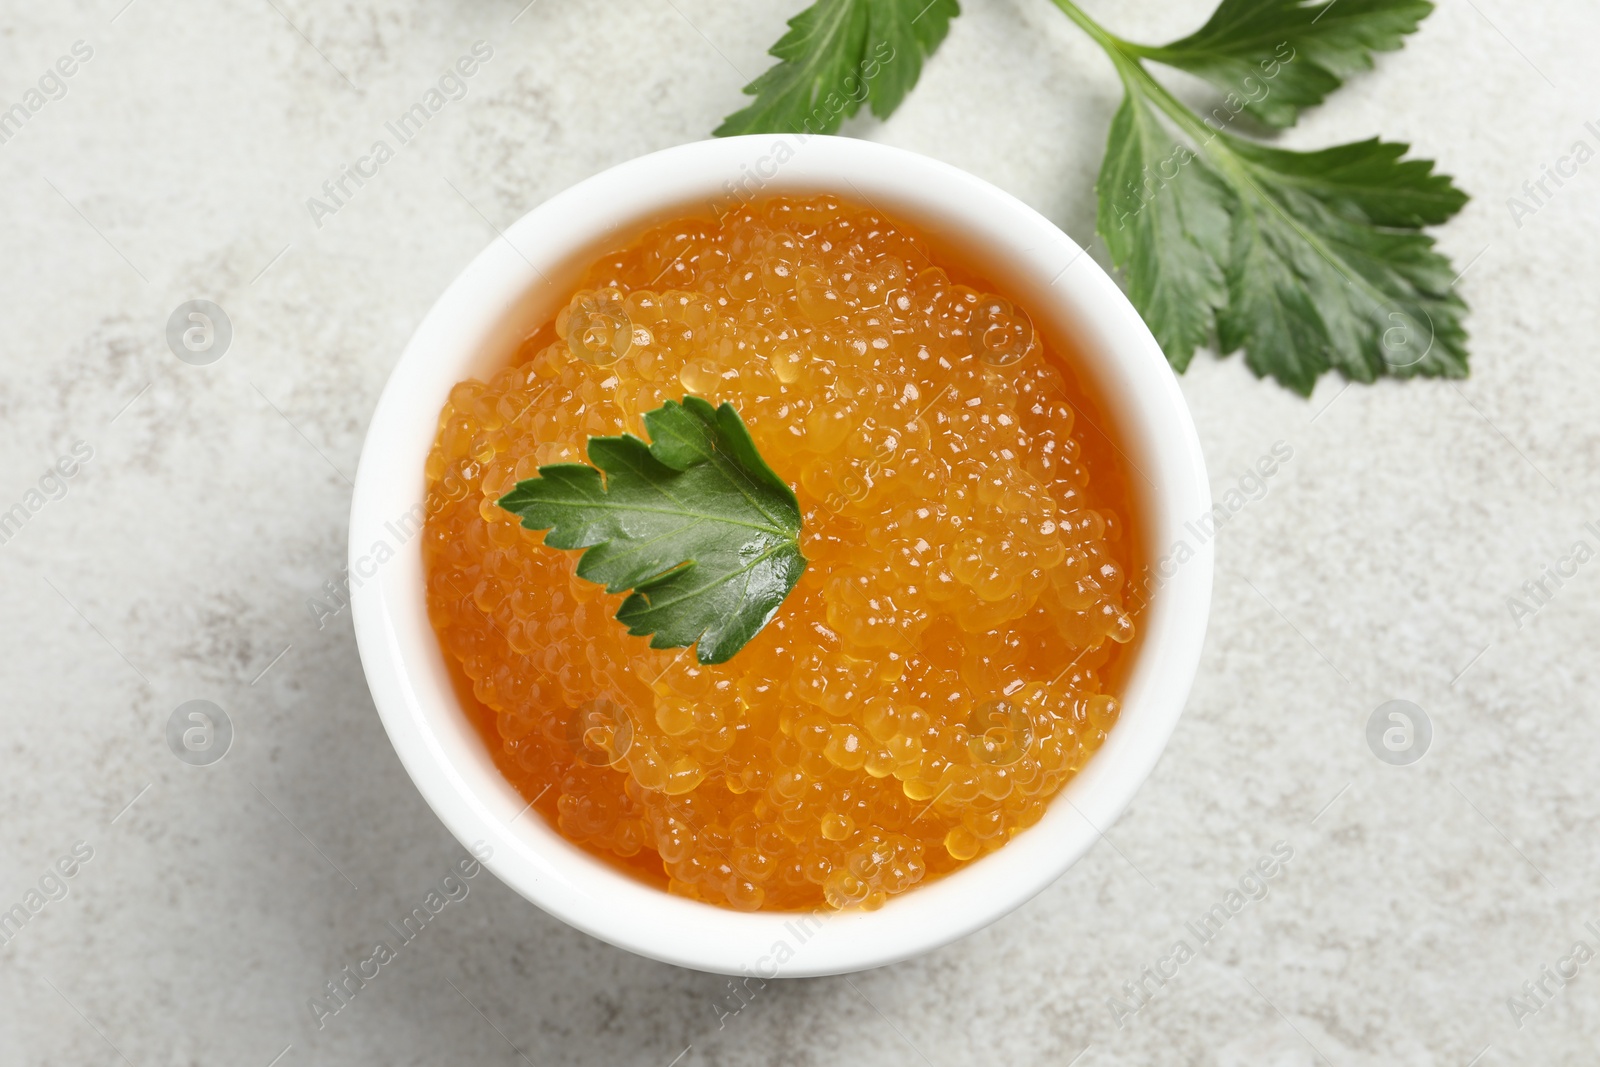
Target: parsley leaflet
<point>695,523</point>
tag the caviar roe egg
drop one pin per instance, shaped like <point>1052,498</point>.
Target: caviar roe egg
<point>936,675</point>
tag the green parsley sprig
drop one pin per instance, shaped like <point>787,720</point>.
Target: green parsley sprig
<point>839,54</point>
<point>695,523</point>
<point>1305,261</point>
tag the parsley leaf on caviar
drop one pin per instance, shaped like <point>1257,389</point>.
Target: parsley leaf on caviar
<point>695,523</point>
<point>1322,261</point>
<point>1297,51</point>
<point>837,54</point>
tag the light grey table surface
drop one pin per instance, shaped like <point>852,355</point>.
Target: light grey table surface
<point>179,562</point>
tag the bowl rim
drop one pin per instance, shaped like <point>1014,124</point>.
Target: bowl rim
<point>476,323</point>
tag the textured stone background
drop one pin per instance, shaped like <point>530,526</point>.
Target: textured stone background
<point>179,562</point>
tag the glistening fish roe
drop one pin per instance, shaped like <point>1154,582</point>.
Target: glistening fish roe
<point>935,676</point>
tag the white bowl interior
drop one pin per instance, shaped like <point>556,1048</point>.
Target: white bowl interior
<point>518,282</point>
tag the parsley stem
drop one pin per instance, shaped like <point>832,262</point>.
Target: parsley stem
<point>1125,56</point>
<point>1104,38</point>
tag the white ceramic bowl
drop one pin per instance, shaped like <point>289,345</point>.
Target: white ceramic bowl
<point>520,280</point>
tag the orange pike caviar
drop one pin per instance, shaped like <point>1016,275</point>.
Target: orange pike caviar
<point>942,667</point>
